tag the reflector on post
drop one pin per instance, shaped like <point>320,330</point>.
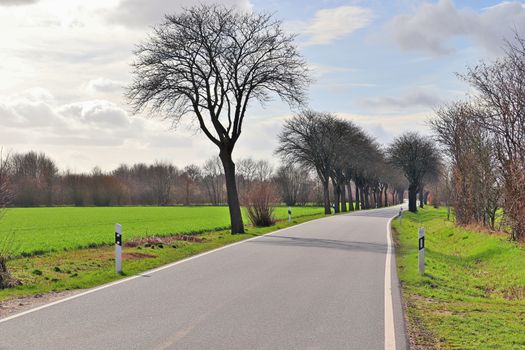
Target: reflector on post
<point>421,250</point>
<point>118,248</point>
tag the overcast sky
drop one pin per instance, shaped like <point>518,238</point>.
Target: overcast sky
<point>383,64</point>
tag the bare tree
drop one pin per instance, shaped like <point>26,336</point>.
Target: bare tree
<point>250,170</point>
<point>6,190</point>
<point>418,158</point>
<point>211,61</point>
<point>293,183</point>
<point>191,175</point>
<point>474,172</point>
<point>308,139</point>
<point>213,179</point>
<point>34,175</point>
<point>163,178</point>
<point>6,242</point>
<point>500,90</point>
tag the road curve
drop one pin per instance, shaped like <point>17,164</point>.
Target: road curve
<point>318,285</point>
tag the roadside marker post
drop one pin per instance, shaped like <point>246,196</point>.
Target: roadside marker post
<point>401,216</point>
<point>421,250</point>
<point>289,214</point>
<point>118,248</point>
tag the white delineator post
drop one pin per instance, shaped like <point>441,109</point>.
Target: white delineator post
<point>289,214</point>
<point>401,216</point>
<point>421,248</point>
<point>118,248</point>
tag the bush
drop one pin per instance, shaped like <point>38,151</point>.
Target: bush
<point>6,280</point>
<point>259,201</point>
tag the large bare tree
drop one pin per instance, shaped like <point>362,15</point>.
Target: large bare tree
<point>208,63</point>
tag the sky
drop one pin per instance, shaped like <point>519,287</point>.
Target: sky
<point>386,65</point>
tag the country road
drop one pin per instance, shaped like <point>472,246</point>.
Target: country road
<point>318,285</point>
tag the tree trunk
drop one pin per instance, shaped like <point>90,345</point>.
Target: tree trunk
<point>342,190</point>
<point>326,198</point>
<point>237,225</point>
<point>386,196</point>
<point>357,198</point>
<point>337,195</point>
<point>350,197</point>
<point>421,199</point>
<point>412,198</point>
<point>366,195</point>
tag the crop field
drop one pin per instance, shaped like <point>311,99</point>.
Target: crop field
<point>40,230</point>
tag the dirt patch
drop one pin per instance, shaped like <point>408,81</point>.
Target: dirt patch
<point>419,337</point>
<point>16,305</point>
<point>514,293</point>
<point>137,256</point>
<point>163,240</point>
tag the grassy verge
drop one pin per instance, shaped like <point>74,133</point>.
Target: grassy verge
<point>89,267</point>
<point>472,295</point>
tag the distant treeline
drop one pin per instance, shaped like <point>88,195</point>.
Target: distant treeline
<point>35,180</point>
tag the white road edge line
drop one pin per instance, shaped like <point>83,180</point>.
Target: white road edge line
<point>390,331</point>
<point>111,284</point>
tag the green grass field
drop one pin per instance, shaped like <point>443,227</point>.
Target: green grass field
<point>86,268</point>
<point>473,293</point>
<point>41,230</point>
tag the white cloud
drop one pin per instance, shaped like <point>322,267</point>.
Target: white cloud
<point>17,2</point>
<point>104,85</point>
<point>433,26</point>
<point>414,98</point>
<point>101,130</point>
<point>98,112</point>
<point>137,13</point>
<point>24,113</point>
<point>329,25</point>
<point>385,127</point>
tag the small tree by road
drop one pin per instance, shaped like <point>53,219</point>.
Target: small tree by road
<point>208,63</point>
<point>418,158</point>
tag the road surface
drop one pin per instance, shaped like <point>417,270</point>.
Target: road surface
<point>318,285</point>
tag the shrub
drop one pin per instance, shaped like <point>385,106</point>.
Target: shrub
<point>259,201</point>
<point>6,279</point>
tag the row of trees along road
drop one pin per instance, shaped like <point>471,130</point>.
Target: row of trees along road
<point>484,139</point>
<point>341,153</point>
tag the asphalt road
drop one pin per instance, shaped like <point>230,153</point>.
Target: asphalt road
<point>318,285</point>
